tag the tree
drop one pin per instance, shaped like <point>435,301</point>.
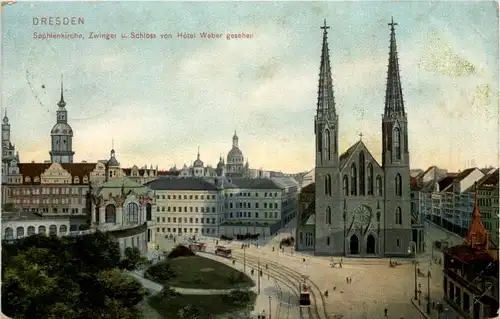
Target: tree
<point>132,259</point>
<point>189,312</point>
<point>73,278</point>
<point>160,272</point>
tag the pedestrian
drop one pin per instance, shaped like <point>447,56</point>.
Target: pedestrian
<point>347,279</point>
<point>350,280</point>
<point>385,312</point>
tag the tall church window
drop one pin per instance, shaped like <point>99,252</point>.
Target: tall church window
<point>328,185</point>
<point>327,145</point>
<point>361,173</point>
<point>379,185</point>
<point>370,179</point>
<point>397,143</point>
<point>399,216</point>
<point>320,140</point>
<point>110,214</point>
<point>328,215</point>
<point>335,142</point>
<point>398,186</point>
<point>354,182</point>
<point>345,185</point>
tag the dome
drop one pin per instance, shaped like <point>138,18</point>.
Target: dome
<point>234,152</point>
<point>198,163</point>
<point>112,161</point>
<point>61,129</point>
<point>220,165</point>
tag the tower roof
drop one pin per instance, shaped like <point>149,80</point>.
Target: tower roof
<point>326,101</point>
<point>477,236</point>
<point>394,94</point>
<point>5,118</point>
<point>61,102</point>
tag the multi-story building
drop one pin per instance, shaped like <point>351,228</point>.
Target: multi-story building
<point>447,199</point>
<point>141,175</point>
<point>60,195</point>
<point>187,206</point>
<point>487,193</point>
<point>259,205</point>
<point>471,272</point>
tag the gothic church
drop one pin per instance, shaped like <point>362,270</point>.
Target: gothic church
<point>357,206</point>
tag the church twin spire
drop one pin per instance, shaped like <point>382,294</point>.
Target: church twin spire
<point>326,101</point>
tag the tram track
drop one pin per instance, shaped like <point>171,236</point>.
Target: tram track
<point>318,304</point>
<point>280,297</point>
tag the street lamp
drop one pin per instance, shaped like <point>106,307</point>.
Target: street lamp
<point>270,307</point>
<point>244,259</point>
<point>414,245</point>
<point>429,292</point>
<point>343,217</point>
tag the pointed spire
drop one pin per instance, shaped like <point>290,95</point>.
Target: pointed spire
<point>61,102</point>
<point>394,103</point>
<point>326,101</point>
<point>198,157</point>
<point>477,235</point>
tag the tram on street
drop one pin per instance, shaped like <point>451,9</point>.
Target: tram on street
<point>305,296</point>
<point>197,246</point>
<point>223,251</point>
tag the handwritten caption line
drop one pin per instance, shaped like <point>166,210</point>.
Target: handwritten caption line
<point>143,35</point>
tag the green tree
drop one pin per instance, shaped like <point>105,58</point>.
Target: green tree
<point>160,272</point>
<point>71,278</point>
<point>189,312</point>
<point>132,259</point>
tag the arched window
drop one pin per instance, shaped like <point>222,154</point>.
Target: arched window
<point>9,233</point>
<point>397,182</point>
<point>370,179</point>
<point>361,173</point>
<point>52,230</point>
<point>327,145</point>
<point>31,230</point>
<point>148,212</point>
<point>354,184</point>
<point>399,216</point>
<point>397,143</point>
<point>133,213</point>
<point>328,185</point>
<point>320,141</point>
<point>328,215</point>
<point>345,185</point>
<point>20,232</point>
<point>110,214</point>
<point>41,230</point>
<point>379,185</point>
<point>335,142</point>
<point>63,229</point>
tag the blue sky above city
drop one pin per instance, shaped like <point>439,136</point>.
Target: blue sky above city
<point>159,99</point>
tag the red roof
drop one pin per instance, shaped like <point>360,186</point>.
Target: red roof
<point>477,236</point>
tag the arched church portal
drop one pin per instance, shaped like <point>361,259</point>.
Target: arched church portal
<point>354,245</point>
<point>370,244</point>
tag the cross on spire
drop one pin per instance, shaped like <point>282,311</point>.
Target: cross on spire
<point>392,24</point>
<point>112,143</point>
<point>61,102</point>
<point>360,136</point>
<point>324,27</point>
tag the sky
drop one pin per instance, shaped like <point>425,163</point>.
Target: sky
<point>157,100</point>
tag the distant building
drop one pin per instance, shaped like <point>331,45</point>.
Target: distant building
<point>235,164</point>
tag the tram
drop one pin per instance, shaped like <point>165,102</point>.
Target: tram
<point>223,251</point>
<point>305,296</point>
<point>197,246</point>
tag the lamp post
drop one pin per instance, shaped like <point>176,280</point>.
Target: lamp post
<point>344,213</point>
<point>244,259</point>
<point>270,316</point>
<point>258,276</point>
<point>429,292</point>
<point>414,245</point>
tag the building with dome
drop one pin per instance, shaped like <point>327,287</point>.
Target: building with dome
<point>235,165</point>
<point>61,135</point>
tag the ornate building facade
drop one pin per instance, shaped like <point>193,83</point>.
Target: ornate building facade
<point>235,165</point>
<point>361,207</point>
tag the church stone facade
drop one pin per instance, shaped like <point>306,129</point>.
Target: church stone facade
<point>360,207</point>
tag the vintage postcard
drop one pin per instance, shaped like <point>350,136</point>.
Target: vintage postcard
<point>265,160</point>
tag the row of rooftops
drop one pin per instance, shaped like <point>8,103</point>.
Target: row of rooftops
<point>439,180</point>
<point>215,184</point>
